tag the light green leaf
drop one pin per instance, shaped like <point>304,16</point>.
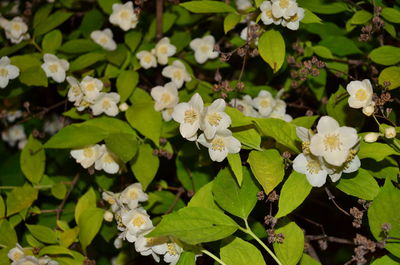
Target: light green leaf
<point>307,260</point>
<point>340,45</point>
<point>126,83</point>
<point>132,39</point>
<point>293,193</point>
<point>145,165</point>
<point>392,75</point>
<point>78,46</point>
<point>271,46</point>
<point>204,197</point>
<point>323,52</point>
<point>86,202</point>
<point>8,236</point>
<point>43,233</point>
<point>290,251</point>
<point>305,121</point>
<point>240,252</point>
<point>55,250</point>
<point>106,5</point>
<point>267,166</point>
<point>241,200</point>
<point>360,17</point>
<point>230,21</point>
<point>359,184</point>
<point>32,160</point>
<point>391,14</point>
<point>89,225</point>
<point>310,17</point>
<point>51,22</point>
<point>68,236</point>
<point>41,14</point>
<point>20,198</point>
<point>248,137</point>
<point>195,225</point>
<point>34,76</point>
<point>123,145</point>
<point>207,7</point>
<point>322,7</point>
<point>385,55</point>
<point>52,41</point>
<point>86,60</point>
<point>376,151</point>
<point>93,20</point>
<point>237,117</point>
<point>13,48</point>
<point>187,258</point>
<point>59,190</point>
<point>390,29</point>
<point>235,163</point>
<point>386,260</point>
<point>385,210</point>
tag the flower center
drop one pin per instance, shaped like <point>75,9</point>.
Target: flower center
<point>332,142</point>
<point>294,18</point>
<point>177,75</point>
<point>104,40</point>
<point>138,221</point>
<point>166,98</point>
<point>106,104</point>
<point>53,68</point>
<point>265,103</point>
<point>3,72</point>
<point>313,166</point>
<point>147,59</point>
<point>214,119</point>
<point>217,144</point>
<point>124,14</point>
<point>108,159</point>
<point>269,13</point>
<point>204,49</point>
<point>133,194</point>
<point>163,49</point>
<point>90,87</point>
<point>16,27</point>
<point>284,3</point>
<point>88,152</point>
<point>190,116</point>
<point>172,249</point>
<point>17,256</point>
<point>361,95</point>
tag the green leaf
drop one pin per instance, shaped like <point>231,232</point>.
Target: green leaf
<point>385,55</point>
<point>360,17</point>
<point>249,137</point>
<point>43,233</point>
<point>204,197</point>
<point>93,20</point>
<point>89,225</point>
<point>240,252</point>
<point>8,236</point>
<point>146,120</point>
<point>385,210</point>
<point>68,236</point>
<point>391,14</point>
<point>392,75</point>
<point>55,250</point>
<point>132,39</point>
<point>126,83</point>
<point>2,208</point>
<point>241,200</point>
<point>237,117</point>
<point>390,29</point>
<point>293,193</point>
<point>33,160</point>
<point>310,17</point>
<point>290,251</point>
<point>235,163</point>
<point>59,190</point>
<point>167,23</point>
<point>41,14</point>
<point>187,258</point>
<point>386,260</point>
<point>52,41</point>
<point>207,7</point>
<point>271,46</point>
<point>307,260</point>
<point>322,7</point>
<point>283,132</point>
<point>13,48</point>
<point>86,202</point>
<point>78,46</point>
<point>145,165</point>
<point>376,151</point>
<point>359,184</point>
<point>123,145</point>
<point>340,45</point>
<point>51,22</point>
<point>20,198</point>
<point>305,121</point>
<point>86,60</point>
<point>267,166</point>
<point>230,21</point>
<point>106,5</point>
<point>323,52</point>
<point>195,225</point>
<point>34,76</point>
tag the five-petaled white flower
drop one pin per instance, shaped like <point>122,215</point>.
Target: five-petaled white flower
<point>360,94</point>
<point>151,246</point>
<point>189,115</point>
<point>163,50</point>
<point>15,29</point>
<point>132,195</point>
<point>14,134</point>
<point>173,253</point>
<point>106,103</point>
<point>55,67</point>
<point>17,253</point>
<point>284,8</point>
<point>88,155</point>
<point>221,145</point>
<point>137,221</point>
<point>177,72</point>
<point>313,167</point>
<point>91,88</point>
<point>166,96</point>
<point>264,102</point>
<point>333,142</point>
<point>124,16</point>
<point>107,161</point>
<point>245,105</point>
<point>215,119</point>
<point>267,16</point>
<point>7,71</point>
<point>293,22</point>
<point>147,59</point>
<point>104,38</point>
<point>204,49</point>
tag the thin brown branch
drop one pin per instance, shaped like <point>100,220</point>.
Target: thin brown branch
<point>332,198</point>
<point>62,204</point>
<point>330,239</point>
<point>180,192</point>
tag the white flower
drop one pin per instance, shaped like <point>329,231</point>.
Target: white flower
<point>104,38</point>
<point>12,115</point>
<point>124,16</point>
<point>55,67</point>
<point>371,137</point>
<point>46,260</point>
<point>177,72</point>
<point>53,125</point>
<point>165,96</point>
<point>245,105</point>
<point>360,93</point>
<point>284,8</point>
<point>15,29</point>
<point>369,109</point>
<point>312,167</point>
<point>106,103</point>
<point>215,119</point>
<point>204,49</point>
<point>188,114</point>
<point>7,71</point>
<point>267,16</point>
<point>264,102</point>
<point>336,172</point>
<point>87,156</point>
<point>173,253</point>
<point>137,221</point>
<point>75,93</point>
<point>132,195</point>
<point>14,134</point>
<point>112,198</point>
<point>108,216</point>
<point>243,4</point>
<point>333,142</point>
<point>163,50</point>
<point>151,246</point>
<point>221,145</point>
<point>106,162</point>
<point>91,88</point>
<point>28,260</point>
<point>17,253</point>
<point>293,22</point>
<point>390,132</point>
<point>147,59</point>
<point>167,114</point>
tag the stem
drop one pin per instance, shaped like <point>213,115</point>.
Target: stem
<point>208,253</point>
<point>36,46</point>
<point>249,232</point>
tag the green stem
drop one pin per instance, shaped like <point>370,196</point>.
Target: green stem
<point>35,44</point>
<point>38,187</point>
<point>208,253</point>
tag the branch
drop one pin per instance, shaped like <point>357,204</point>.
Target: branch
<point>180,192</point>
<point>331,198</point>
<point>62,204</point>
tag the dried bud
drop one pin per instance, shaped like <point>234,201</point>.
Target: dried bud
<point>241,51</point>
<point>315,72</point>
<point>273,196</point>
<point>260,195</point>
<point>286,155</point>
<point>240,86</point>
<point>386,227</point>
<point>309,113</point>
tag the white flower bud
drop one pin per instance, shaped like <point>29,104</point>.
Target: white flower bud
<point>390,132</point>
<point>369,110</point>
<point>108,216</point>
<point>123,107</point>
<point>371,137</point>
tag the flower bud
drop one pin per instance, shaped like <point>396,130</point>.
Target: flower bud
<point>368,110</point>
<point>371,137</point>
<point>390,132</point>
<point>123,107</point>
<point>108,216</point>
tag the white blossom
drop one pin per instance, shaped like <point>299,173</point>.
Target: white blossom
<point>390,132</point>
<point>351,166</point>
<point>104,38</point>
<point>107,161</point>
<point>118,243</point>
<point>55,67</point>
<point>243,4</point>
<point>221,145</point>
<point>264,102</point>
<point>360,93</point>
<point>53,125</point>
<point>147,59</point>
<point>151,246</point>
<point>87,156</point>
<point>173,253</point>
<point>132,195</point>
<point>12,115</point>
<point>91,88</point>
<point>75,93</point>
<point>106,103</point>
<point>7,71</point>
<point>284,8</point>
<point>177,73</point>
<point>14,134</point>
<point>293,22</point>
<point>333,142</point>
<point>46,260</point>
<point>136,221</point>
<point>245,105</point>
<point>112,199</point>
<point>312,167</point>
<point>215,119</point>
<point>16,29</point>
<point>203,49</point>
<point>27,260</point>
<point>17,253</point>
<point>167,114</point>
<point>267,16</point>
<point>369,109</point>
<point>124,16</point>
<point>189,115</point>
<point>165,96</point>
<point>163,50</point>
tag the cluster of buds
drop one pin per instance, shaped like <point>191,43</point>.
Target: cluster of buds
<point>305,68</point>
<point>376,26</point>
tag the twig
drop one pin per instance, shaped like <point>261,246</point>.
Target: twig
<point>311,251</point>
<point>62,204</point>
<point>159,19</point>
<point>180,192</point>
<point>330,239</point>
<point>331,197</point>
